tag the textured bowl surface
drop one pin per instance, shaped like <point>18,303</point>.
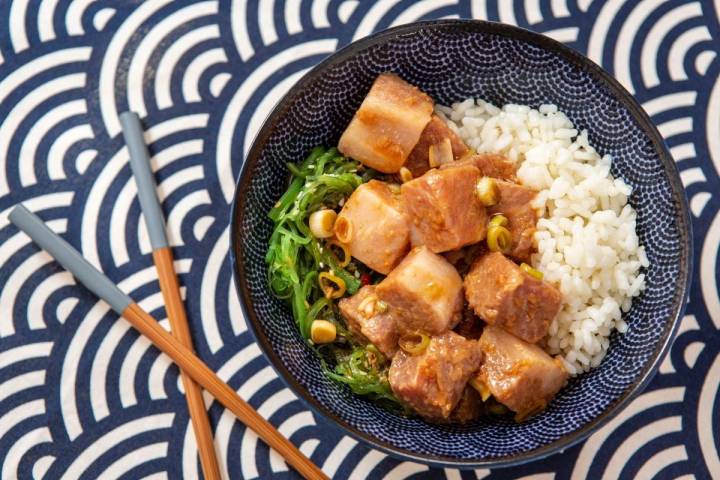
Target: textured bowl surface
<point>451,61</point>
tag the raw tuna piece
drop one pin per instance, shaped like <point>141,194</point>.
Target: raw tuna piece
<point>522,218</point>
<point>368,322</point>
<point>388,124</point>
<point>518,374</point>
<point>423,293</point>
<point>433,381</point>
<point>502,294</point>
<point>443,209</point>
<point>374,227</point>
<point>489,164</point>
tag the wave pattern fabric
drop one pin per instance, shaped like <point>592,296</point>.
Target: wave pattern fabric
<point>83,396</point>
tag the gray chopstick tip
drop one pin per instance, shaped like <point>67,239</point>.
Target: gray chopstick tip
<point>144,178</point>
<point>129,116</point>
<point>132,128</point>
<point>67,256</point>
<point>17,213</point>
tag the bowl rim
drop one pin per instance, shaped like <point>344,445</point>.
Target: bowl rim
<point>639,116</point>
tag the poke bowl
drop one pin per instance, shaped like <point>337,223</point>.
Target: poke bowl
<point>496,90</point>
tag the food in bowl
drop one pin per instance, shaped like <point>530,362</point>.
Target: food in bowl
<point>440,255</point>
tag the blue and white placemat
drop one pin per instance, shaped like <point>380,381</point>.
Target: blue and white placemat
<point>81,395</point>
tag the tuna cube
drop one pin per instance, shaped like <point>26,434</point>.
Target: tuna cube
<point>423,293</point>
<point>368,322</point>
<point>432,382</point>
<point>518,374</point>
<point>387,125</point>
<point>469,408</point>
<point>502,294</point>
<point>515,205</point>
<point>374,227</point>
<point>489,164</point>
<point>434,134</point>
<point>443,209</point>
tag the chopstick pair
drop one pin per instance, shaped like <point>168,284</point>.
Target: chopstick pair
<point>195,373</point>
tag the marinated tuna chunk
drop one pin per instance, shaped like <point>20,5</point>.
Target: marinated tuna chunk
<point>388,124</point>
<point>432,382</point>
<point>373,226</point>
<point>518,374</point>
<point>368,320</point>
<point>438,136</point>
<point>423,293</point>
<point>502,294</point>
<point>470,407</point>
<point>489,164</point>
<point>443,209</point>
<point>515,205</point>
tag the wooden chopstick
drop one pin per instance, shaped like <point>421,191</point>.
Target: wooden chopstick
<point>104,288</point>
<point>169,285</point>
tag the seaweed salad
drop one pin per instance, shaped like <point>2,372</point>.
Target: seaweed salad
<point>310,272</point>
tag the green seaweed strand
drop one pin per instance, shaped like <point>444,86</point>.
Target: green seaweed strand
<point>295,258</point>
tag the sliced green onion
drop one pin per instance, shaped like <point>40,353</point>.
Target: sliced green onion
<point>331,285</point>
<point>405,174</point>
<point>498,220</point>
<point>321,222</point>
<point>499,239</point>
<point>487,191</point>
<point>346,252</point>
<point>531,271</point>
<point>343,229</point>
<point>414,343</point>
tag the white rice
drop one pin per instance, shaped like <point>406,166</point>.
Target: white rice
<point>586,239</point>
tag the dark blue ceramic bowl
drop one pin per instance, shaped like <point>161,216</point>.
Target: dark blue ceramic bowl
<point>453,60</point>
